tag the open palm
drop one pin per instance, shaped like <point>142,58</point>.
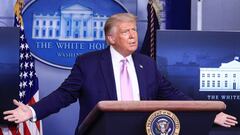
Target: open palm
<point>20,114</point>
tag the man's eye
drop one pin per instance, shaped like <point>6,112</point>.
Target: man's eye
<point>125,32</point>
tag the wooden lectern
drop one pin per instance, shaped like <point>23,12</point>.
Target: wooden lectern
<point>129,117</point>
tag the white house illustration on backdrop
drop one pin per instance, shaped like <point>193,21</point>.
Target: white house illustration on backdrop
<point>224,78</point>
<point>74,22</point>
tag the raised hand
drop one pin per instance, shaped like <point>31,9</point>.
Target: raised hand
<point>225,120</point>
<point>20,114</point>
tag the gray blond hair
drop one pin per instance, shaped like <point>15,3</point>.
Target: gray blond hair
<point>118,18</point>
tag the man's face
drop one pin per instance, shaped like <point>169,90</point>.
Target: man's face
<point>124,38</point>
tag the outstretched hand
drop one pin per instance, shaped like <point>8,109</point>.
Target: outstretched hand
<point>225,120</point>
<point>21,114</point>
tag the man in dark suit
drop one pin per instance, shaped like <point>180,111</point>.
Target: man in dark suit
<point>102,75</point>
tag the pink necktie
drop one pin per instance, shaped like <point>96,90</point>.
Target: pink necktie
<point>125,83</point>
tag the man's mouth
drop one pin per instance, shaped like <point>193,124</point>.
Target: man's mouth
<point>132,43</point>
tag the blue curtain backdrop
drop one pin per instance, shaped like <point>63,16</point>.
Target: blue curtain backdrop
<point>178,14</point>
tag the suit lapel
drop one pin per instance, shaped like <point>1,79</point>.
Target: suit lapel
<point>107,71</point>
<point>139,67</point>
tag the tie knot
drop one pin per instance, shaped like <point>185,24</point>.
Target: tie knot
<point>124,61</point>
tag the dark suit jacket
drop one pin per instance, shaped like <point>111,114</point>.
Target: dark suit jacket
<point>92,80</point>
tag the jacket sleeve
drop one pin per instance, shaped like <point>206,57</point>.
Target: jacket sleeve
<point>67,93</point>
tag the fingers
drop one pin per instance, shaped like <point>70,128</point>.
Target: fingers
<point>17,115</point>
<point>225,125</point>
<point>231,117</point>
<point>231,122</point>
<point>12,111</point>
<point>225,120</point>
<point>17,103</point>
<point>12,118</point>
<point>8,112</point>
<point>8,117</point>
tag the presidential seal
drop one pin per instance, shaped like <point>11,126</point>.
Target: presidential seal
<point>162,122</point>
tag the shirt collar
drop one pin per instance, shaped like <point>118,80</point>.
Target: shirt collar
<point>116,56</point>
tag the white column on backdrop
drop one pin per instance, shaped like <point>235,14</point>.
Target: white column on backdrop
<point>199,14</point>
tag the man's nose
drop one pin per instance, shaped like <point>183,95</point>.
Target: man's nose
<point>132,34</point>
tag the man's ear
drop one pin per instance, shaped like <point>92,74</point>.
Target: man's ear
<point>110,40</point>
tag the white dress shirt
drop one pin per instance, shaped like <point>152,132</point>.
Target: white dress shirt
<point>116,61</point>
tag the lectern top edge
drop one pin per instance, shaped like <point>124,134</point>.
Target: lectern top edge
<point>156,105</point>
